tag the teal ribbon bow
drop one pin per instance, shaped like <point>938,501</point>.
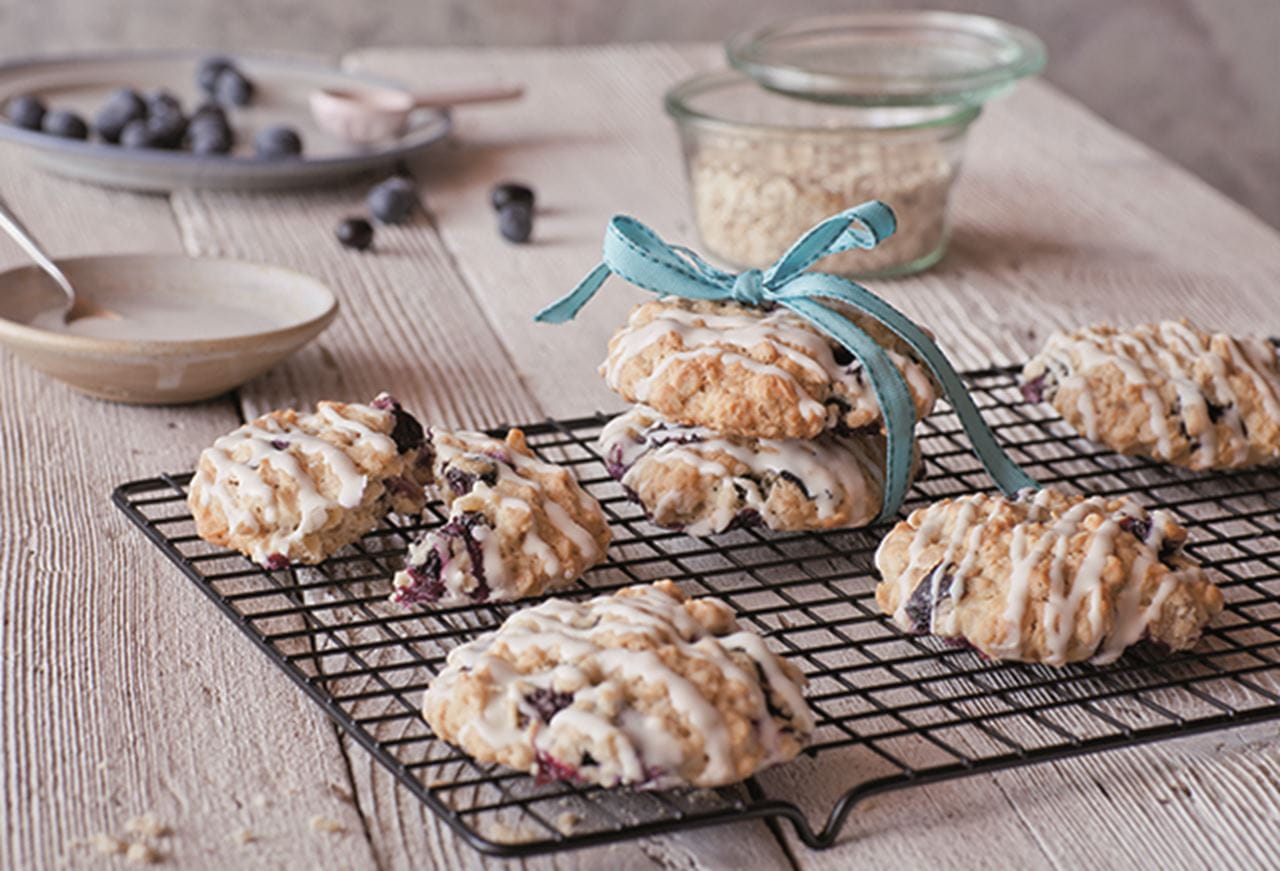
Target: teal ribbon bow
<point>636,253</point>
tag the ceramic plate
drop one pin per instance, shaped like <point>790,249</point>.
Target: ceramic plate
<point>263,314</point>
<point>282,88</point>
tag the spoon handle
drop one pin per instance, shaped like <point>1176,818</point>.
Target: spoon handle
<point>17,230</point>
<point>465,96</point>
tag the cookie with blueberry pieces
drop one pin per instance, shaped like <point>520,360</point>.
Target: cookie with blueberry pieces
<point>1170,391</point>
<point>1050,577</point>
<point>644,688</point>
<point>517,526</point>
<point>755,372</point>
<point>293,487</point>
<point>702,482</point>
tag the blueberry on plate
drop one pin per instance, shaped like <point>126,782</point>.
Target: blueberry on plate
<point>159,100</point>
<point>231,88</point>
<point>392,201</point>
<point>209,110</point>
<point>25,111</point>
<point>123,106</point>
<point>168,128</point>
<point>515,221</point>
<point>137,134</point>
<point>277,142</point>
<point>511,192</point>
<point>61,122</point>
<point>210,138</point>
<point>208,70</point>
<point>355,233</point>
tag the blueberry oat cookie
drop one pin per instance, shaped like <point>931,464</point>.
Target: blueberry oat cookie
<point>1170,391</point>
<point>291,487</point>
<point>750,371</point>
<point>1048,577</point>
<point>644,688</point>
<point>517,526</point>
<point>697,480</point>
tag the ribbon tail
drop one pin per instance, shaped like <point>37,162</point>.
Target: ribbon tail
<point>566,307</point>
<point>890,387</point>
<point>1007,474</point>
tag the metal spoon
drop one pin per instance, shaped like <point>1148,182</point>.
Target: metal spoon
<point>366,115</point>
<point>78,305</point>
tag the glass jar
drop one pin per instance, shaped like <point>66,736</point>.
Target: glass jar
<point>834,111</point>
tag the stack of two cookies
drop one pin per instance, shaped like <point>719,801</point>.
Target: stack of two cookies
<point>749,416</point>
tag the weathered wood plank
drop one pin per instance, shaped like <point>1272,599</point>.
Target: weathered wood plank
<point>123,691</point>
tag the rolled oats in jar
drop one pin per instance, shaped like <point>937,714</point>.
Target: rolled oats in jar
<point>857,107</point>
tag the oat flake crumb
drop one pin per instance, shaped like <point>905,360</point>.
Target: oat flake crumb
<point>567,822</point>
<point>146,825</point>
<point>140,853</point>
<point>321,823</point>
<point>243,836</point>
<point>104,843</point>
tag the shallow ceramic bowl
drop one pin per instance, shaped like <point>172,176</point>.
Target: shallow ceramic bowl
<point>293,307</point>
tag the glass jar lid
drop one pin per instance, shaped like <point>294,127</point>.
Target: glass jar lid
<point>889,58</point>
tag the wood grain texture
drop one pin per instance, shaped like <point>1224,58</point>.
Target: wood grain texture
<point>122,691</point>
<point>1059,220</point>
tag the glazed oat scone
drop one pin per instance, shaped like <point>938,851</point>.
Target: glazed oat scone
<point>750,371</point>
<point>644,688</point>
<point>517,526</point>
<point>1048,577</point>
<point>291,487</point>
<point>697,480</point>
<point>1170,391</point>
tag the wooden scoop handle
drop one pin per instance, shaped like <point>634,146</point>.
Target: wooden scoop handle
<point>465,96</point>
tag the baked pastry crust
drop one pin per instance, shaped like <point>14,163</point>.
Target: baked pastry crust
<point>644,688</point>
<point>1048,577</point>
<point>517,526</point>
<point>752,372</point>
<point>293,487</point>
<point>693,479</point>
<point>1170,391</point>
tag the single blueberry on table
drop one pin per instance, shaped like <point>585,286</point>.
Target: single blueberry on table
<point>68,125</point>
<point>25,111</point>
<point>355,233</point>
<point>275,143</point>
<point>231,88</point>
<point>393,201</point>
<point>510,192</point>
<point>136,134</point>
<point>208,70</point>
<point>515,222</point>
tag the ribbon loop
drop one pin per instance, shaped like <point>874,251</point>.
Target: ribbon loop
<point>636,253</point>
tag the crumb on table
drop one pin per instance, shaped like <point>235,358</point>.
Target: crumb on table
<point>321,823</point>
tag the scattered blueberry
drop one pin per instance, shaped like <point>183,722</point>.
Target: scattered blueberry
<point>392,201</point>
<point>68,125</point>
<point>208,70</point>
<point>511,192</point>
<point>355,233</point>
<point>25,111</point>
<point>136,134</point>
<point>515,221</point>
<point>231,88</point>
<point>277,142</point>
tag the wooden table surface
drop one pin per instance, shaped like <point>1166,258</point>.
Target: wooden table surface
<point>125,692</point>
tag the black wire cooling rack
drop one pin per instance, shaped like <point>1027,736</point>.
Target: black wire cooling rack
<point>892,710</point>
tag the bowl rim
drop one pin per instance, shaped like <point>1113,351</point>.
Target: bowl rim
<point>744,52</point>
<point>13,331</point>
<point>676,101</point>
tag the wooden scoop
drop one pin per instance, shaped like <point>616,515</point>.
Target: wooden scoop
<point>367,115</point>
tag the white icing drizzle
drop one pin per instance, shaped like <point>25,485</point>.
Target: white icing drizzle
<point>831,469</point>
<point>237,485</point>
<point>733,337</point>
<point>520,469</point>
<point>1071,587</point>
<point>1182,356</point>
<point>596,650</point>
